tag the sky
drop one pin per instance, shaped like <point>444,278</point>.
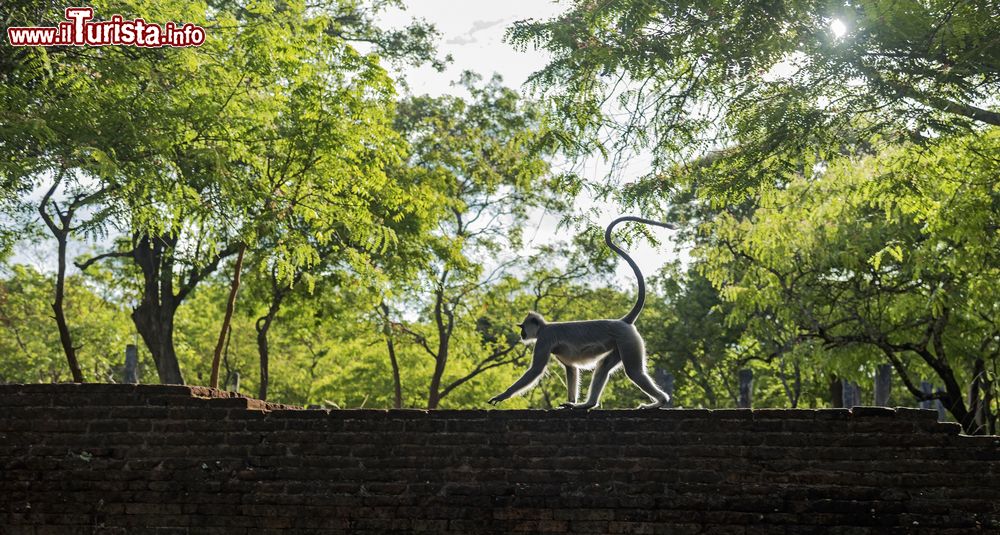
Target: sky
<point>472,32</point>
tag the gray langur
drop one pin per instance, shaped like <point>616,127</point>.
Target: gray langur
<point>601,345</point>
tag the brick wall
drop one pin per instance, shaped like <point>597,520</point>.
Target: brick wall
<point>172,459</point>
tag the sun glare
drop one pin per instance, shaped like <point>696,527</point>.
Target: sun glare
<point>838,28</point>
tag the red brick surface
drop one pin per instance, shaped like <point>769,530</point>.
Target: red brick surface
<point>176,459</point>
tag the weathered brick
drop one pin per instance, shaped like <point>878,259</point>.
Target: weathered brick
<point>163,459</point>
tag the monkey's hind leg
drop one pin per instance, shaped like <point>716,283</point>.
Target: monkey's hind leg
<point>598,381</point>
<point>572,382</point>
<point>633,357</point>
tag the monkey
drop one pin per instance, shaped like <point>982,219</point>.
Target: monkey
<point>601,345</point>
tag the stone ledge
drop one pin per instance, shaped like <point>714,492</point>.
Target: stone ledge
<point>93,394</point>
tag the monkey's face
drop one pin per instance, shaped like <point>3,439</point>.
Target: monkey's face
<point>524,333</point>
<point>529,327</point>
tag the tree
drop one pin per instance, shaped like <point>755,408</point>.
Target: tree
<point>30,344</point>
<point>283,107</point>
<point>488,159</point>
<point>227,318</point>
<point>352,253</point>
<point>61,230</point>
<point>60,143</point>
<point>690,336</point>
<point>890,257</point>
<point>759,86</point>
<point>336,227</point>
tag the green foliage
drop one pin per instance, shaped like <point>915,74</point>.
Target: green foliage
<point>882,258</point>
<point>487,158</point>
<point>768,85</point>
<point>275,134</point>
<point>29,342</point>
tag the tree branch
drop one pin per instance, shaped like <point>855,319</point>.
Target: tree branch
<point>493,361</point>
<point>197,274</point>
<point>936,102</point>
<point>82,266</point>
<point>45,202</point>
<point>417,337</point>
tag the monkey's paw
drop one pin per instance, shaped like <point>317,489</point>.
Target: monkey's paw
<point>653,405</point>
<point>496,399</point>
<point>583,406</point>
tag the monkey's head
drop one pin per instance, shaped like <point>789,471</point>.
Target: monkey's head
<point>530,326</point>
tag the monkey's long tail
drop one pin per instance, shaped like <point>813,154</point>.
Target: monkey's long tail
<point>641,300</point>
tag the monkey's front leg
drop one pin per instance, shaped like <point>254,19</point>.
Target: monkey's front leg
<point>520,385</point>
<point>538,362</point>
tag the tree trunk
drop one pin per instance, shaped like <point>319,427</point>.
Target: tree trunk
<point>230,306</point>
<point>156,326</point>
<point>61,234</point>
<point>57,308</point>
<point>953,400</point>
<point>794,390</point>
<point>434,394</point>
<point>976,404</point>
<point>262,352</point>
<point>797,389</point>
<point>263,325</point>
<point>390,345</point>
<point>440,362</point>
<point>397,385</point>
<point>444,330</point>
<point>154,317</point>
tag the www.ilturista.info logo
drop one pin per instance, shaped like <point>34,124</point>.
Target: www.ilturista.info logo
<point>79,30</point>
